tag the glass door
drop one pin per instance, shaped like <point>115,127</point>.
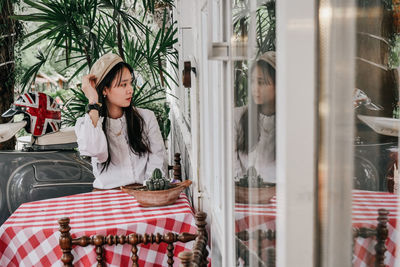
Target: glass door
<point>254,149</point>
<point>273,174</point>
<point>358,133</point>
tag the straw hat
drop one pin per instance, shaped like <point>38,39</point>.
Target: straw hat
<point>269,57</point>
<point>103,65</point>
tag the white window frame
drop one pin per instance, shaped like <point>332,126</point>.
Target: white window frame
<point>336,120</point>
<point>296,42</point>
<point>296,128</point>
<point>297,82</point>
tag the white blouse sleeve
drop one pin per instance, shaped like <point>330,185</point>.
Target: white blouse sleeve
<point>91,140</point>
<point>157,157</point>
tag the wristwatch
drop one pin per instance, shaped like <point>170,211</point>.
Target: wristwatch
<point>95,106</point>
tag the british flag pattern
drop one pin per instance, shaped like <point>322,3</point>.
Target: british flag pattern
<point>44,112</point>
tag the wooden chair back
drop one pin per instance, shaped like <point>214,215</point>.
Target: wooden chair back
<point>176,168</point>
<point>198,257</point>
<point>67,243</point>
<point>259,258</point>
<point>380,233</point>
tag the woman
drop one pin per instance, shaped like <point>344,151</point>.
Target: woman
<point>255,123</point>
<point>125,142</point>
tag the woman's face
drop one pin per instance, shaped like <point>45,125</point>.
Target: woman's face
<point>120,95</point>
<point>262,87</point>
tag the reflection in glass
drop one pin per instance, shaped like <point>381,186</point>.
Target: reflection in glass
<point>375,100</point>
<point>254,133</point>
<point>255,148</point>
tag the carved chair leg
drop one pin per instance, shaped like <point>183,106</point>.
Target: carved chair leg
<point>65,242</point>
<point>170,254</point>
<point>133,240</point>
<point>186,258</point>
<point>98,241</point>
<point>135,257</point>
<point>203,238</point>
<point>381,236</point>
<point>99,258</point>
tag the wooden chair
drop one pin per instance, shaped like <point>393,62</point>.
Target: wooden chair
<point>176,168</point>
<point>200,252</point>
<point>255,257</point>
<point>380,233</point>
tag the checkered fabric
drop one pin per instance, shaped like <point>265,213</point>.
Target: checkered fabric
<point>252,217</point>
<point>30,236</point>
<point>365,212</point>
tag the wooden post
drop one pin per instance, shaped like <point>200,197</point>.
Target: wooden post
<point>98,241</point>
<point>170,254</point>
<point>177,167</point>
<point>381,236</point>
<point>201,223</point>
<point>170,238</point>
<point>200,252</point>
<point>186,258</point>
<point>65,242</point>
<point>133,240</point>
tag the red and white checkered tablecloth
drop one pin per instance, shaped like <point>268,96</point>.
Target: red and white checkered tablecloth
<point>30,236</point>
<point>252,217</point>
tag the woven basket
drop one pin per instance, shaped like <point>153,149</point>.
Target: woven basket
<point>148,198</point>
<point>250,195</point>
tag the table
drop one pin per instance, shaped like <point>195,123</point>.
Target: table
<point>252,217</point>
<point>30,236</point>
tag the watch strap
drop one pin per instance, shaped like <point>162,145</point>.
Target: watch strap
<point>92,106</point>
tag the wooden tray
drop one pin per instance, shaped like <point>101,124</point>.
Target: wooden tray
<point>250,195</point>
<point>148,198</point>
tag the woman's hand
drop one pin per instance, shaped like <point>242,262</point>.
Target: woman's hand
<point>88,88</point>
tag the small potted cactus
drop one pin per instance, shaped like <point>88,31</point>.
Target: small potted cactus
<point>158,191</point>
<point>252,189</point>
<point>157,182</point>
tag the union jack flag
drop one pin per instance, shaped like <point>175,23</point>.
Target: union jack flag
<point>44,112</point>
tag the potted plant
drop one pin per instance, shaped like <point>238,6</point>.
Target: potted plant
<point>252,189</point>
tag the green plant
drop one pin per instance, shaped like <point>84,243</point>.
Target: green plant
<point>74,108</point>
<point>149,55</point>
<point>77,33</point>
<point>265,21</point>
<point>157,174</point>
<point>85,30</point>
<point>251,179</point>
<point>161,110</point>
<point>394,60</point>
<point>157,182</point>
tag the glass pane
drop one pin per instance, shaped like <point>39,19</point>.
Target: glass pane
<point>375,146</point>
<point>254,131</point>
<point>372,98</point>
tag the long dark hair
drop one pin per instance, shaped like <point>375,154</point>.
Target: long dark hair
<point>138,141</point>
<point>245,139</point>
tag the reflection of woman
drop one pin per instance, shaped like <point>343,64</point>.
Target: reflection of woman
<point>255,123</point>
<point>124,142</point>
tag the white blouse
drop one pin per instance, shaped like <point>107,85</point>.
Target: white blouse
<point>262,155</point>
<point>125,166</point>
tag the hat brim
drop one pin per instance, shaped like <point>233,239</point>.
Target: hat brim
<point>8,130</point>
<point>10,112</point>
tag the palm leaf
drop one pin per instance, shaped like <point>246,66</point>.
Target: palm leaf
<point>32,71</point>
